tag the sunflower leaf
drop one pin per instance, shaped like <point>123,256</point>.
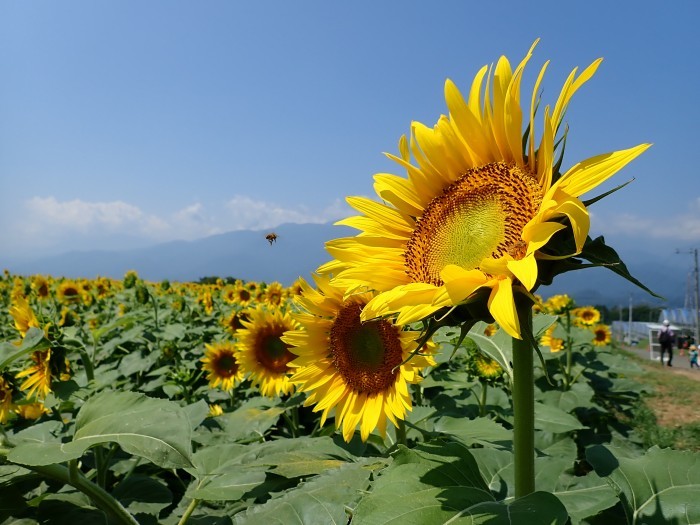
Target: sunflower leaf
<point>658,488</point>
<point>437,483</point>
<point>602,196</point>
<point>34,340</point>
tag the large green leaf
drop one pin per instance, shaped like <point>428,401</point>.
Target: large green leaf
<point>432,483</point>
<point>660,487</point>
<point>579,395</point>
<point>33,340</point>
<point>320,501</point>
<point>221,475</point>
<point>552,419</point>
<point>482,431</point>
<point>40,444</point>
<point>154,429</point>
<point>251,420</point>
<point>583,496</point>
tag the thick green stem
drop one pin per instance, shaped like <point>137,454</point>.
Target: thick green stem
<point>524,408</point>
<point>188,511</point>
<point>401,432</point>
<point>482,400</point>
<point>102,499</point>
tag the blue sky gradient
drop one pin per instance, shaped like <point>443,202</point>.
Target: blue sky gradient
<point>127,123</point>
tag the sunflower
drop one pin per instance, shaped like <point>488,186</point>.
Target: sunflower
<point>23,315</point>
<point>486,368</point>
<point>477,208</point>
<point>558,304</point>
<point>69,292</point>
<point>38,375</point>
<point>586,316</point>
<point>243,295</point>
<point>490,330</point>
<point>359,369</point>
<point>601,335</point>
<point>6,404</point>
<point>206,301</point>
<point>215,410</point>
<point>263,354</point>
<point>234,321</point>
<point>229,294</point>
<point>40,285</point>
<point>273,294</point>
<point>555,344</point>
<point>32,410</point>
<point>222,366</point>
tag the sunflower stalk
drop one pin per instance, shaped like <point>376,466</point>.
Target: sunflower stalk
<point>524,405</point>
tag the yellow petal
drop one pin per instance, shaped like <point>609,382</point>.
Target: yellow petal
<point>588,174</point>
<point>525,270</point>
<point>536,235</point>
<point>460,283</point>
<point>502,307</point>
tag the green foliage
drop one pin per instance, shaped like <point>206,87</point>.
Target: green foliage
<point>125,434</point>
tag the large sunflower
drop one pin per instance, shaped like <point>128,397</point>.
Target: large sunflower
<point>221,366</point>
<point>263,354</point>
<point>478,206</point>
<point>358,369</point>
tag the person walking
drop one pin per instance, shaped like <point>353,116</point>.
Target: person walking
<point>693,357</point>
<point>666,339</point>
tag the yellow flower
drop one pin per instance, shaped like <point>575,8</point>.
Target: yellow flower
<point>215,410</point>
<point>69,292</point>
<point>554,343</point>
<point>38,382</point>
<point>23,315</point>
<point>486,368</point>
<point>601,335</point>
<point>234,321</point>
<point>229,294</point>
<point>558,304</point>
<point>6,404</point>
<point>586,316</point>
<point>273,294</point>
<point>478,208</point>
<point>221,366</point>
<point>356,369</point>
<point>207,302</point>
<point>490,330</point>
<point>263,354</point>
<point>32,410</point>
<point>40,286</point>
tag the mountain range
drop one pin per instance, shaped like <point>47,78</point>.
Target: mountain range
<point>299,250</point>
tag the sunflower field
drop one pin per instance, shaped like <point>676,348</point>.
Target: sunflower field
<point>135,402</point>
<point>417,379</point>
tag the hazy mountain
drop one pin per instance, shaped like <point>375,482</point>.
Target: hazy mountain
<point>299,250</point>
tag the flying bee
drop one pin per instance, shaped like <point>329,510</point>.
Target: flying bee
<point>271,237</point>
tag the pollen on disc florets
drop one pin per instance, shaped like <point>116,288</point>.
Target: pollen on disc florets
<point>482,214</point>
<point>367,355</point>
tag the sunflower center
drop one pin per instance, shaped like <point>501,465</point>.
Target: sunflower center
<point>226,365</point>
<point>271,352</point>
<point>480,215</point>
<point>366,355</point>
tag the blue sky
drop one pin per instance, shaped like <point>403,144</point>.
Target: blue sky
<point>127,123</point>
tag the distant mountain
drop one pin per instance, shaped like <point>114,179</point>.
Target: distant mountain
<point>299,250</point>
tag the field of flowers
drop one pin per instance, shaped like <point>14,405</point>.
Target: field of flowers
<point>136,402</point>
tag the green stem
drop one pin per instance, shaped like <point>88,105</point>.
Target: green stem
<point>524,407</point>
<point>482,400</point>
<point>569,352</point>
<point>102,499</point>
<point>188,512</point>
<point>401,432</point>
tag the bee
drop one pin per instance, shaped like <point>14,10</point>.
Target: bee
<point>271,237</point>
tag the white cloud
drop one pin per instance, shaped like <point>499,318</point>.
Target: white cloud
<point>248,214</point>
<point>682,227</point>
<point>49,224</point>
